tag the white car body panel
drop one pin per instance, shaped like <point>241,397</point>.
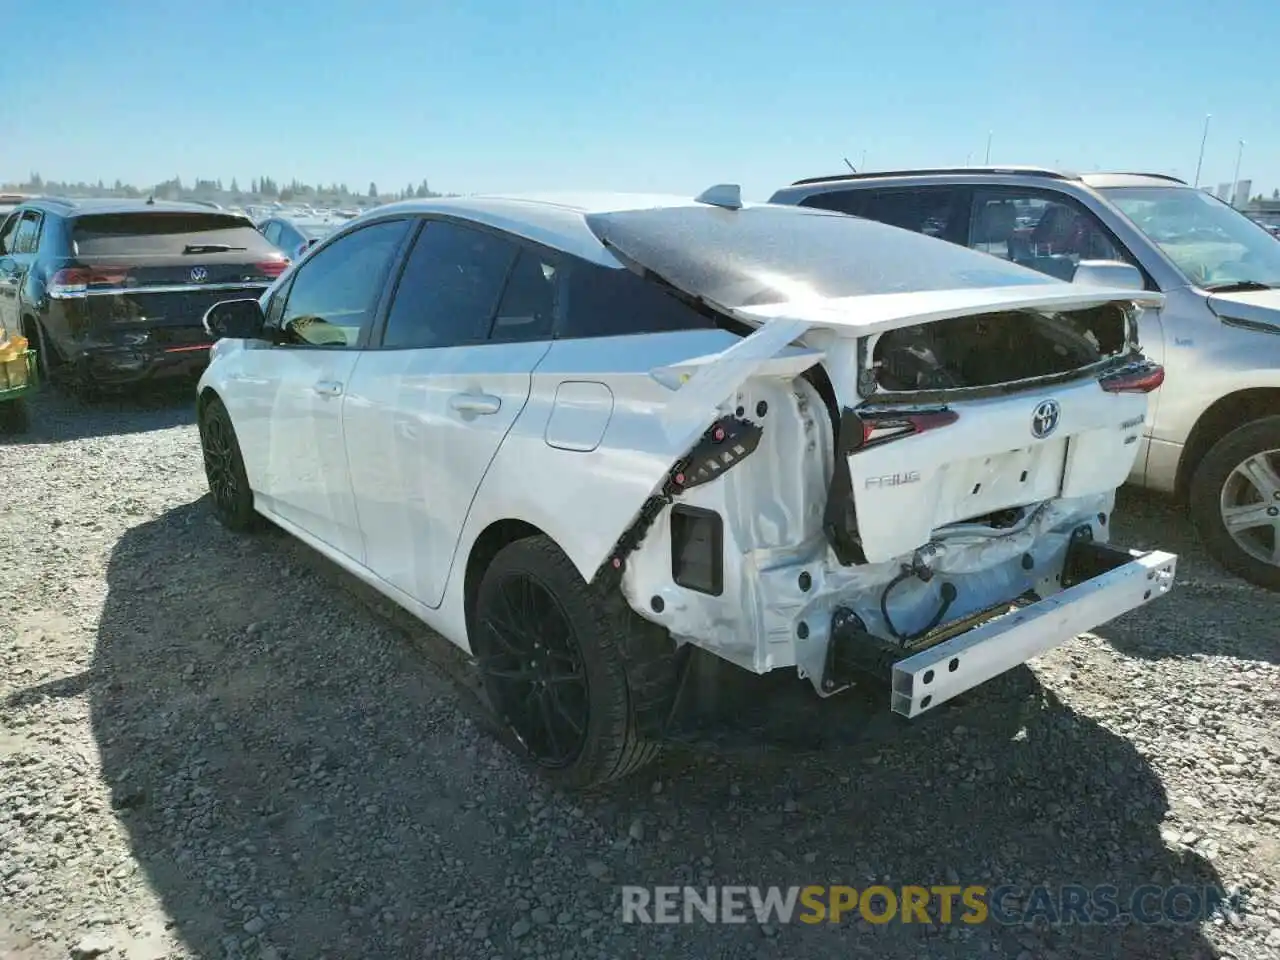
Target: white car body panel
<point>398,474</point>
<point>407,415</point>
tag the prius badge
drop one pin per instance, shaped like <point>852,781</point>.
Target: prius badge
<point>199,274</point>
<point>1045,418</point>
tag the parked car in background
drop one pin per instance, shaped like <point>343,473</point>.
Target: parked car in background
<point>798,440</point>
<point>294,235</point>
<point>8,201</point>
<point>1213,435</point>
<point>111,292</point>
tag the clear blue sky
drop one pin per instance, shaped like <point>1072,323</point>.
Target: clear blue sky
<point>662,94</point>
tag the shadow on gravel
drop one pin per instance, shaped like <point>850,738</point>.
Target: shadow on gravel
<point>296,782</point>
<point>55,417</point>
<point>1209,612</point>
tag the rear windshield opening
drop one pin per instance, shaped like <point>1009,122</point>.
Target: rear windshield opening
<point>996,348</point>
<point>164,234</point>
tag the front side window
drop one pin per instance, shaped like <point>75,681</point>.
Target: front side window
<point>1036,231</point>
<point>8,233</point>
<point>450,287</point>
<point>1214,245</point>
<point>335,293</point>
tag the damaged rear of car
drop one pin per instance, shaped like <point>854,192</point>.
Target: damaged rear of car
<point>903,471</point>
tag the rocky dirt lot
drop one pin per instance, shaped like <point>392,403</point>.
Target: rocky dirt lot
<point>218,747</point>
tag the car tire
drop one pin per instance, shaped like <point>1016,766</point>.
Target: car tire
<point>224,469</point>
<point>1218,481</point>
<point>47,361</point>
<point>610,716</point>
<point>14,416</point>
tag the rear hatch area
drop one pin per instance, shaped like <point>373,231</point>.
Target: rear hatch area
<point>160,272</point>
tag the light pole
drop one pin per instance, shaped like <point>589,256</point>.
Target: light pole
<point>1203,138</point>
<point>989,134</point>
<point>864,160</point>
<point>1235,179</point>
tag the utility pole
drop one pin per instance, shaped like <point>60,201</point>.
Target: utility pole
<point>989,135</point>
<point>1203,138</point>
<point>1235,179</point>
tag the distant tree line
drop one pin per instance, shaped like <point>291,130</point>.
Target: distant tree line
<point>260,189</point>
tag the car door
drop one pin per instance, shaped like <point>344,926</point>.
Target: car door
<point>430,403</point>
<point>10,276</point>
<point>294,438</point>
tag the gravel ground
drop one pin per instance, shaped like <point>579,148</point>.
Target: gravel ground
<point>221,747</point>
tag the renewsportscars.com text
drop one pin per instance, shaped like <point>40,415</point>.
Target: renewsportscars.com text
<point>970,904</point>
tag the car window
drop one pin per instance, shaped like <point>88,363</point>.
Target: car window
<point>1209,241</point>
<point>1039,232</point>
<point>450,287</point>
<point>163,233</point>
<point>334,293</point>
<point>28,234</point>
<point>7,234</point>
<point>272,232</point>
<point>611,302</point>
<point>527,310</point>
<point>933,211</point>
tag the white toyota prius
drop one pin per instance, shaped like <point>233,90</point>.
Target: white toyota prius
<point>582,436</point>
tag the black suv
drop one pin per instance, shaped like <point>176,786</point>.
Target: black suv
<point>112,292</point>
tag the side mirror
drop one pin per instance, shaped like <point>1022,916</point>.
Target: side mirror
<point>235,320</point>
<point>1112,274</point>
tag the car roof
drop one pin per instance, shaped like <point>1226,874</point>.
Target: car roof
<point>557,220</point>
<point>73,207</point>
<point>1097,179</point>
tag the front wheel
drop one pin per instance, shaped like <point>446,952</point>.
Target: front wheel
<point>1235,502</point>
<point>224,469</point>
<point>580,680</point>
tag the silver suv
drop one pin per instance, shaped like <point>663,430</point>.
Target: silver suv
<point>1213,434</point>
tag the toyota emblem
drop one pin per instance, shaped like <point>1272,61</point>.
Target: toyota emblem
<point>1045,418</point>
<point>199,274</point>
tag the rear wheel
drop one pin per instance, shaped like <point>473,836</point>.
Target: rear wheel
<point>581,681</point>
<point>1235,502</point>
<point>224,469</point>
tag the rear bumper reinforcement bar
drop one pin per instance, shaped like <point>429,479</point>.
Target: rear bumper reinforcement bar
<point>1120,582</point>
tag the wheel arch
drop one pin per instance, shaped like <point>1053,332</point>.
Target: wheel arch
<point>1220,418</point>
<point>491,541</point>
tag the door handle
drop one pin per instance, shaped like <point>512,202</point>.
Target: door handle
<point>482,403</point>
<point>328,388</point>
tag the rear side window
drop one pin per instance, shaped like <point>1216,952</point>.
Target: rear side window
<point>165,234</point>
<point>612,302</point>
<point>933,211</point>
<point>28,235</point>
<point>450,287</point>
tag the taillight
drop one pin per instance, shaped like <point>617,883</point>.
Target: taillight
<point>1140,379</point>
<point>72,282</point>
<point>880,428</point>
<point>78,281</point>
<point>273,268</point>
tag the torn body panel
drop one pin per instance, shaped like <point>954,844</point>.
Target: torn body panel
<point>951,523</point>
